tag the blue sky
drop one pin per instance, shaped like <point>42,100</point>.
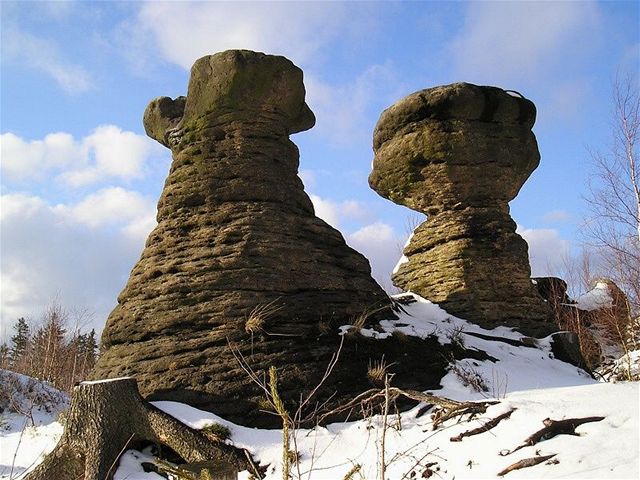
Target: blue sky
<point>80,180</point>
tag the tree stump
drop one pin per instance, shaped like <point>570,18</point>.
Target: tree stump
<point>105,417</point>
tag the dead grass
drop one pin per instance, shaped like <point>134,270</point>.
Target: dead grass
<point>259,315</point>
<point>377,371</point>
<point>360,320</point>
<point>469,376</point>
<point>454,335</point>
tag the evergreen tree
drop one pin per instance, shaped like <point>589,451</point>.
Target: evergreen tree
<point>19,341</point>
<point>91,347</point>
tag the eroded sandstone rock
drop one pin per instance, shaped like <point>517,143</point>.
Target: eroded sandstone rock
<point>238,256</point>
<point>459,153</point>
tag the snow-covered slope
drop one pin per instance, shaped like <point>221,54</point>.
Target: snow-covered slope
<point>606,449</point>
<point>29,426</point>
<point>525,378</point>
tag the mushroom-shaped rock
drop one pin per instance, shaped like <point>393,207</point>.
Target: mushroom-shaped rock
<point>459,153</point>
<point>238,257</point>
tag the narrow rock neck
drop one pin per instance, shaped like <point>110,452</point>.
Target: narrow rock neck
<point>232,162</point>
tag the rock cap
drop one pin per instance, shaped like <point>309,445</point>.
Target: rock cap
<point>458,144</point>
<point>457,101</point>
<point>239,85</point>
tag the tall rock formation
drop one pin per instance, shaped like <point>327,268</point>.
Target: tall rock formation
<point>459,153</point>
<point>238,256</point>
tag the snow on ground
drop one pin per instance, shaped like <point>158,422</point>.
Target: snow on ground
<point>517,368</point>
<point>26,439</point>
<point>607,449</point>
<point>525,378</point>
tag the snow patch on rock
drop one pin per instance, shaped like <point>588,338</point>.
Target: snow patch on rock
<point>596,298</point>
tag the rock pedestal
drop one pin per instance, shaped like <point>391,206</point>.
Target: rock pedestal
<point>459,153</point>
<point>238,256</point>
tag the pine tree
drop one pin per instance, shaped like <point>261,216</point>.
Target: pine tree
<point>19,342</point>
<point>91,347</point>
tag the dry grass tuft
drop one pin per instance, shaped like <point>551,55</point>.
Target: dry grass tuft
<point>259,316</point>
<point>360,320</point>
<point>377,371</point>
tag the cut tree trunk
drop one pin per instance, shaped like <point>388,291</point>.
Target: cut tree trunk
<point>105,417</point>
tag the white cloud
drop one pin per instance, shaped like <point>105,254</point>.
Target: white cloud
<point>334,212</point>
<point>305,32</point>
<point>547,251</point>
<point>69,252</point>
<point>503,41</point>
<point>353,209</point>
<point>108,152</point>
<point>113,206</point>
<point>114,153</point>
<point>42,54</point>
<point>382,246</point>
<point>376,240</point>
<point>348,112</point>
<point>20,158</point>
<point>184,31</point>
<point>326,210</point>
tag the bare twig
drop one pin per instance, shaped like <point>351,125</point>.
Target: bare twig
<point>385,416</point>
<point>15,454</point>
<point>524,463</point>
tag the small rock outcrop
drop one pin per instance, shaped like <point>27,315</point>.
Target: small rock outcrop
<point>238,256</point>
<point>459,153</point>
<point>601,317</point>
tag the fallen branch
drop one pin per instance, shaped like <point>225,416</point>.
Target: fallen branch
<point>524,463</point>
<point>448,408</point>
<point>483,428</point>
<point>553,428</point>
